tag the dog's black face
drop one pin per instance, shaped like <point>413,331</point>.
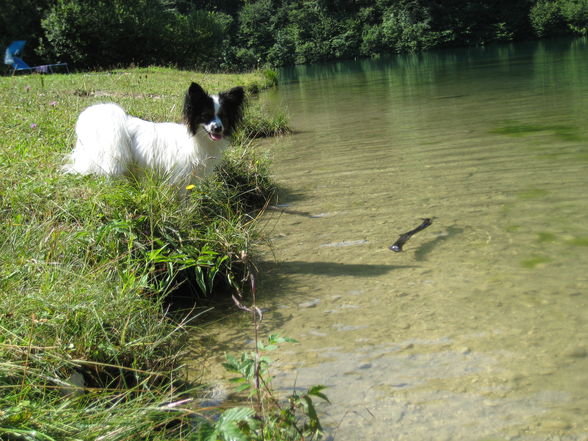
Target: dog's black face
<point>217,115</point>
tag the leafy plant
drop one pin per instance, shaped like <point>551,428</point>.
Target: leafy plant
<point>551,18</point>
<point>271,419</point>
<point>294,419</point>
<point>546,18</point>
<point>233,425</point>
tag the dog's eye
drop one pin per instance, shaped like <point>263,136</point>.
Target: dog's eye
<point>207,116</point>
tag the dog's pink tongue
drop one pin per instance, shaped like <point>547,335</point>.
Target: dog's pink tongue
<point>216,136</point>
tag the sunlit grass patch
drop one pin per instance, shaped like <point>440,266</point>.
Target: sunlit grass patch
<point>87,264</point>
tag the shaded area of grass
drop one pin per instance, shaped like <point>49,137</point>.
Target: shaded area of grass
<point>87,350</point>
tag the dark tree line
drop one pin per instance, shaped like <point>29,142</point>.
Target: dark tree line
<point>241,34</point>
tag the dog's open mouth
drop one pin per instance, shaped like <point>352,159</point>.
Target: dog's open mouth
<point>215,136</point>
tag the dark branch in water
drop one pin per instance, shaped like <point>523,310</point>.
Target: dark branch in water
<point>397,246</point>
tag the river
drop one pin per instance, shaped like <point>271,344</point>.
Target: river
<point>478,330</point>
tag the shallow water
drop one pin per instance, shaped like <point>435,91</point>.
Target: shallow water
<point>478,329</point>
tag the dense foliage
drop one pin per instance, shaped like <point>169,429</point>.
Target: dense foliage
<point>240,34</point>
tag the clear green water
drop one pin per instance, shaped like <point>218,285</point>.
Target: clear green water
<point>479,329</point>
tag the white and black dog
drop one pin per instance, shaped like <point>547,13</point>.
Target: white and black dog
<point>112,143</point>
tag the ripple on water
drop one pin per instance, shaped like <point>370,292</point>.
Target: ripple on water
<point>478,329</point>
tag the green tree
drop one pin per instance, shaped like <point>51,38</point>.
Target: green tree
<point>559,17</point>
<point>103,33</point>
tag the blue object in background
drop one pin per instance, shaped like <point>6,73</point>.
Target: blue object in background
<point>19,65</point>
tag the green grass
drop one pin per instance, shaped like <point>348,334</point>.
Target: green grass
<point>257,124</point>
<point>87,264</point>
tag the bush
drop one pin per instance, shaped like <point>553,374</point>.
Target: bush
<point>196,39</point>
<point>90,33</point>
<point>281,33</point>
<point>282,52</point>
<point>575,13</point>
<point>546,18</point>
<point>256,30</point>
<point>406,30</point>
<point>552,18</point>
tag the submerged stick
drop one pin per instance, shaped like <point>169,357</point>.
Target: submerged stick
<point>397,246</point>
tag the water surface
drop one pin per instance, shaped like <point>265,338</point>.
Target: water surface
<point>478,330</point>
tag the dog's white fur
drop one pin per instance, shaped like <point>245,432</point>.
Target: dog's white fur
<point>110,142</point>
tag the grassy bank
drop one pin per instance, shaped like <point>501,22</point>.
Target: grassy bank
<point>87,350</point>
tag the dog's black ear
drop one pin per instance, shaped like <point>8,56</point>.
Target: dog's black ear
<point>236,95</point>
<point>194,101</point>
<point>195,91</point>
<point>231,109</point>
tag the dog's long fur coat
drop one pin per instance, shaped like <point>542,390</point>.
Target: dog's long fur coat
<point>110,142</point>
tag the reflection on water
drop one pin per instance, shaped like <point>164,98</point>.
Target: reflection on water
<point>478,330</point>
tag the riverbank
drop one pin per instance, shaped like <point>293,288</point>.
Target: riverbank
<point>87,265</point>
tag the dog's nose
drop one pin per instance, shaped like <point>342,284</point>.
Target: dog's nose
<point>216,128</point>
